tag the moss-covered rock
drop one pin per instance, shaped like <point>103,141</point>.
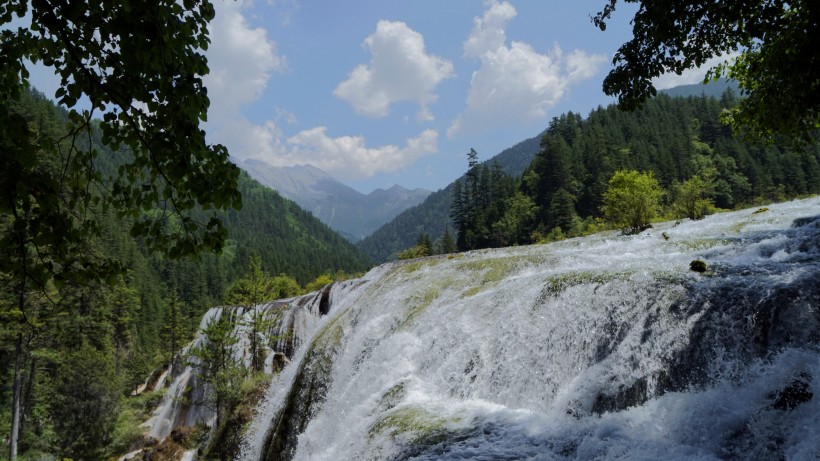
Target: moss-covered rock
<point>411,425</point>
<point>698,266</point>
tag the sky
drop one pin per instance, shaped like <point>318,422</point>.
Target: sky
<point>378,92</point>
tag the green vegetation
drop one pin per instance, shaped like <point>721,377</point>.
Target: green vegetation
<point>422,426</point>
<point>632,201</point>
<point>139,319</point>
<point>218,369</point>
<point>432,217</point>
<point>773,39</point>
<point>681,142</point>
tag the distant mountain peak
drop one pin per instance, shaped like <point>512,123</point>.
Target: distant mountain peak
<point>353,214</point>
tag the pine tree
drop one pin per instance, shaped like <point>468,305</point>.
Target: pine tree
<point>448,245</point>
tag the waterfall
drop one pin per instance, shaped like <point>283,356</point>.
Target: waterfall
<point>291,322</point>
<point>603,347</point>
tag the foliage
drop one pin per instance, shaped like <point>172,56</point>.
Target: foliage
<point>691,198</point>
<point>432,216</point>
<point>632,200</point>
<point>140,67</point>
<point>776,68</point>
<point>152,307</point>
<point>514,226</point>
<point>86,406</point>
<point>151,97</point>
<point>447,243</point>
<point>479,202</point>
<point>681,141</point>
<point>318,283</point>
<point>217,367</point>
<point>252,288</point>
<point>424,247</point>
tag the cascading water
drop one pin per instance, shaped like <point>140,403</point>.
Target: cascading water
<point>291,322</point>
<point>604,347</point>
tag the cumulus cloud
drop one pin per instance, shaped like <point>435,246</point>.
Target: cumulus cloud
<point>399,70</point>
<point>488,32</point>
<point>241,58</point>
<point>348,157</point>
<point>515,83</point>
<point>692,76</point>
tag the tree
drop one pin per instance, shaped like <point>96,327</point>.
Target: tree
<point>778,67</point>
<point>632,200</point>
<point>424,244</point>
<point>448,244</point>
<point>173,331</point>
<point>217,366</point>
<point>139,65</point>
<point>424,247</point>
<point>86,403</point>
<point>562,211</point>
<point>252,288</point>
<point>691,198</point>
<point>513,227</point>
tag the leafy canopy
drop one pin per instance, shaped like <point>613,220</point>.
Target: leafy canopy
<point>778,68</point>
<point>139,65</point>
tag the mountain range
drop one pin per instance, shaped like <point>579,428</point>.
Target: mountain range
<point>432,216</point>
<point>344,209</point>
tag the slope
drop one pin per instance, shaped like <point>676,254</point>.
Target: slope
<point>432,216</point>
<point>341,207</point>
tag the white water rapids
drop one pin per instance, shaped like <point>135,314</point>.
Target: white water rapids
<point>604,347</point>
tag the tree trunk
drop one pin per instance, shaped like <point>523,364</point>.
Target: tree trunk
<point>27,404</point>
<point>15,406</point>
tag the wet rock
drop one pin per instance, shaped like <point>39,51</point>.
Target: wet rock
<point>698,266</point>
<point>796,393</point>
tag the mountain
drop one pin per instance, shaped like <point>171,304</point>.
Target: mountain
<point>432,216</point>
<point>602,347</point>
<point>714,89</point>
<point>351,213</point>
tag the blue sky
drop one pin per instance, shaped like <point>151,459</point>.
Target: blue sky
<point>379,92</point>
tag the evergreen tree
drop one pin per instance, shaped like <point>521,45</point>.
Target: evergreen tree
<point>448,244</point>
<point>217,367</point>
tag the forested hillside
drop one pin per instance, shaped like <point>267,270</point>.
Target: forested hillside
<point>562,189</point>
<point>432,216</point>
<point>672,158</point>
<point>86,345</point>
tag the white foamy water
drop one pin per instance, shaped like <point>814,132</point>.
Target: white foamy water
<point>604,347</point>
<point>186,400</point>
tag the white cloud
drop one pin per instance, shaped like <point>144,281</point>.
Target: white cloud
<point>691,76</point>
<point>399,70</point>
<point>348,157</point>
<point>241,59</point>
<point>515,83</point>
<point>488,32</point>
